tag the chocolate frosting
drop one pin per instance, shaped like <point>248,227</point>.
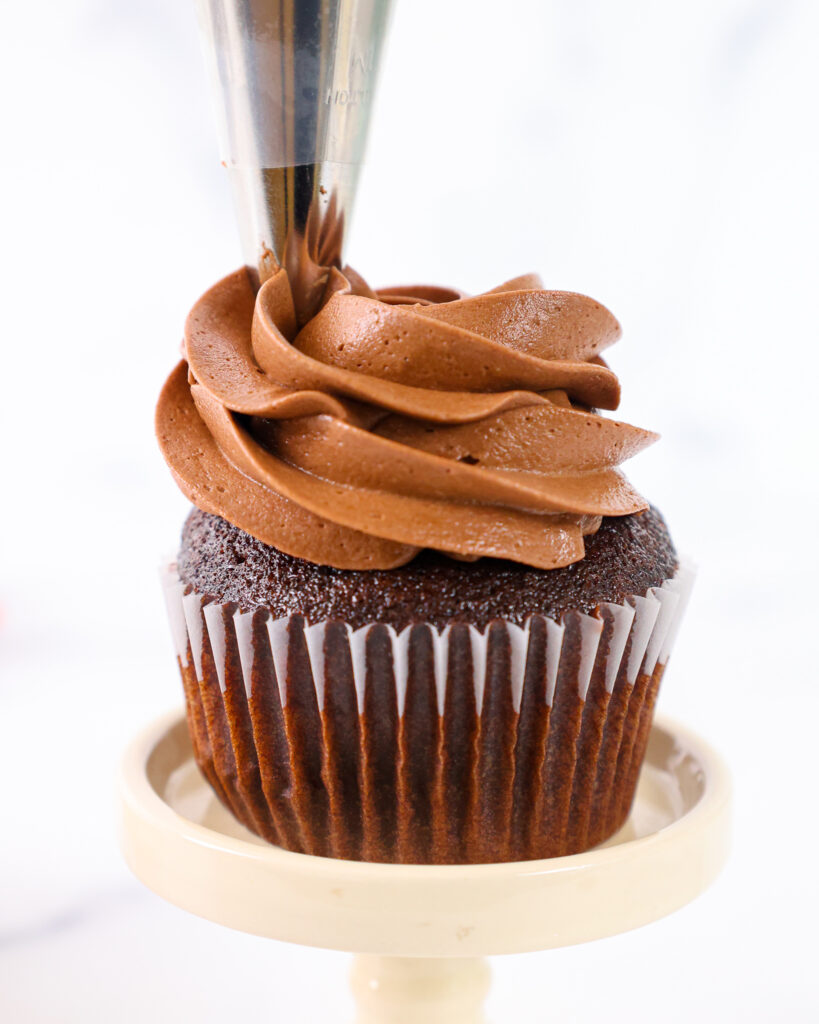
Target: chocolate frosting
<point>411,418</point>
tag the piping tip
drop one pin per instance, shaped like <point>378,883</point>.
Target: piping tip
<point>293,82</point>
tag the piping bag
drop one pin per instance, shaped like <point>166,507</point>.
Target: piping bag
<point>293,83</point>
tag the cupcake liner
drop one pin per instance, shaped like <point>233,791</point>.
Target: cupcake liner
<point>425,746</point>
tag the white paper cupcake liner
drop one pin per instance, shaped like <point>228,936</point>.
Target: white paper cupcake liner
<point>425,745</point>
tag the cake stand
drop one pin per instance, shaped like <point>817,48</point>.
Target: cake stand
<point>421,932</point>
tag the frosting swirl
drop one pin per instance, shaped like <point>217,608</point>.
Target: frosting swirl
<point>393,421</point>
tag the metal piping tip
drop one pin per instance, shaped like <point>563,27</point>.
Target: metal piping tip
<point>294,83</point>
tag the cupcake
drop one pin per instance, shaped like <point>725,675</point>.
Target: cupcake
<point>419,613</point>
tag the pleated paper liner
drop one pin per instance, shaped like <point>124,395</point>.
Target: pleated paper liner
<point>425,746</point>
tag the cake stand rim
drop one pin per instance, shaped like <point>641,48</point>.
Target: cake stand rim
<point>716,790</point>
<point>706,824</point>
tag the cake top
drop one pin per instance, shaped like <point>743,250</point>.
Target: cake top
<point>399,420</point>
<point>628,555</point>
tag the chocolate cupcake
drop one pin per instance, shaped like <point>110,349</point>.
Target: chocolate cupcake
<point>420,614</point>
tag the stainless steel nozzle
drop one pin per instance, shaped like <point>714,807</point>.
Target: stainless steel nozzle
<point>294,83</point>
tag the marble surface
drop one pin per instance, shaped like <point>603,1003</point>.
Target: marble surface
<point>660,157</point>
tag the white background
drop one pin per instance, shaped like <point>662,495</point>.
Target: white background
<point>660,156</point>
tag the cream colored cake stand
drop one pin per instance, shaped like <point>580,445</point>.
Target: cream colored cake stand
<point>421,932</point>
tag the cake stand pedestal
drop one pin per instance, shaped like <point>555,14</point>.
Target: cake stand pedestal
<point>421,932</point>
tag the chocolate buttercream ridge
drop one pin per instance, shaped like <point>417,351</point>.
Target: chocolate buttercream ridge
<point>395,421</point>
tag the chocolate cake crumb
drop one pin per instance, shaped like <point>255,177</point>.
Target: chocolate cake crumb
<point>627,555</point>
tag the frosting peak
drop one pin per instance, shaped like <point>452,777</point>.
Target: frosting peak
<point>396,420</point>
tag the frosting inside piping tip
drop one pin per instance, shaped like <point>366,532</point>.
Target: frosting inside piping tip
<point>412,417</point>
